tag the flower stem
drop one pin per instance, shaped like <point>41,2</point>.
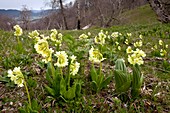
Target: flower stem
<point>61,71</point>
<point>28,95</point>
<point>18,40</point>
<point>100,69</point>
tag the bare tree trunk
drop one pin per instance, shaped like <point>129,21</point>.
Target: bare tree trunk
<point>78,15</point>
<point>162,9</point>
<point>64,17</point>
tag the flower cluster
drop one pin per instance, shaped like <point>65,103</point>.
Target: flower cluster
<point>118,46</point>
<point>18,30</point>
<point>136,56</point>
<point>56,37</point>
<point>138,44</point>
<point>161,48</point>
<point>83,36</point>
<point>74,65</point>
<point>95,55</point>
<point>42,48</point>
<point>34,35</point>
<point>16,76</point>
<point>116,34</point>
<point>100,38</point>
<point>62,59</point>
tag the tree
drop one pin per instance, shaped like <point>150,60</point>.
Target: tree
<point>59,3</point>
<point>162,9</point>
<point>25,17</point>
<point>78,15</point>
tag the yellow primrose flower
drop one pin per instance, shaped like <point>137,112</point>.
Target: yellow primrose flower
<point>95,56</point>
<point>73,58</point>
<point>106,32</point>
<point>89,34</point>
<point>129,50</point>
<point>62,60</point>
<point>16,76</point>
<point>18,30</point>
<point>99,40</point>
<point>33,34</point>
<point>166,46</point>
<point>155,46</point>
<point>101,34</point>
<point>126,42</point>
<point>44,37</point>
<point>119,48</point>
<point>108,36</point>
<point>160,42</point>
<point>58,42</point>
<point>19,80</point>
<point>135,60</point>
<point>115,34</point>
<point>163,52</point>
<point>140,36</point>
<point>11,75</point>
<point>131,60</point>
<point>83,36</point>
<point>41,46</point>
<point>139,53</point>
<point>138,44</point>
<point>48,55</point>
<point>60,36</point>
<point>74,68</point>
<point>117,43</point>
<point>136,57</point>
<point>54,31</point>
<point>129,34</point>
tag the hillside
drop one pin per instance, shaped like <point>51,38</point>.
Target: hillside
<point>140,15</point>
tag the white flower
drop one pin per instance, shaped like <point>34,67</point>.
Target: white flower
<point>74,68</point>
<point>160,42</point>
<point>95,56</point>
<point>33,34</point>
<point>18,30</point>
<point>129,34</point>
<point>129,50</point>
<point>83,36</point>
<point>115,34</point>
<point>73,58</point>
<point>16,76</point>
<point>41,47</point>
<point>62,60</point>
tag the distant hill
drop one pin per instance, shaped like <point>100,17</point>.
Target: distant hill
<point>16,13</point>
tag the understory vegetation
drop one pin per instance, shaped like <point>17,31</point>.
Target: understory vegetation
<point>117,69</point>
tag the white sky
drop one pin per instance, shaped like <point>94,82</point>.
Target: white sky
<point>31,4</point>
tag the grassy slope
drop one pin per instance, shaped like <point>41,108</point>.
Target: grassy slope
<point>140,15</point>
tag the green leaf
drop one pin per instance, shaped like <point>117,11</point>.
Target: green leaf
<point>70,94</point>
<point>50,69</point>
<point>93,74</point>
<point>4,79</point>
<point>50,90</point>
<point>94,86</point>
<point>62,86</point>
<point>106,81</point>
<point>99,80</point>
<point>137,81</point>
<point>56,84</point>
<point>34,105</point>
<point>122,81</point>
<point>120,65</point>
<point>78,88</point>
